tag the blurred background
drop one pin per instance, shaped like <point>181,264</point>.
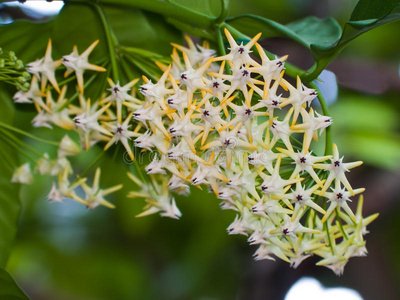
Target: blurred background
<point>64,251</point>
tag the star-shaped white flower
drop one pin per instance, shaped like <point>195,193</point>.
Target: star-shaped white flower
<point>239,55</point>
<point>121,133</point>
<point>119,94</point>
<point>46,67</point>
<point>310,126</point>
<point>337,169</point>
<point>95,195</point>
<point>79,63</point>
<point>338,198</point>
<point>23,175</point>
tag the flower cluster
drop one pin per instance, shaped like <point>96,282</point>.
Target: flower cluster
<point>231,123</point>
<point>83,118</point>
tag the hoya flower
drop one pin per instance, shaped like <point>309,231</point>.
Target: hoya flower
<point>42,119</point>
<point>157,196</point>
<point>302,197</point>
<point>269,69</point>
<point>274,184</point>
<point>68,147</point>
<point>239,55</point>
<point>45,67</point>
<point>196,54</point>
<point>34,95</point>
<point>267,206</point>
<point>305,162</point>
<point>338,198</point>
<point>55,195</point>
<point>264,158</point>
<point>88,122</point>
<point>310,126</point>
<point>178,99</point>
<point>240,79</point>
<point>122,134</point>
<point>155,92</point>
<point>119,94</point>
<point>44,165</point>
<point>95,196</point>
<point>23,175</point>
<point>171,210</point>
<point>66,188</point>
<point>300,97</point>
<point>337,169</point>
<point>155,167</point>
<point>271,100</point>
<point>193,78</point>
<point>152,113</point>
<point>79,63</point>
<point>59,114</point>
<point>176,182</point>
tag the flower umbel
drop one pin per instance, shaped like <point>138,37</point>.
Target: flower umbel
<point>237,134</point>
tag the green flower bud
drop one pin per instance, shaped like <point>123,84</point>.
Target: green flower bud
<point>19,64</point>
<point>27,75</point>
<point>25,87</point>
<point>12,56</point>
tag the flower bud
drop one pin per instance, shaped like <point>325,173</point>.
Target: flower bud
<point>23,175</point>
<point>44,165</point>
<point>68,147</point>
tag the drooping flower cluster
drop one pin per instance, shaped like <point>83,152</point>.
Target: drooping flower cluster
<point>221,130</point>
<point>245,133</point>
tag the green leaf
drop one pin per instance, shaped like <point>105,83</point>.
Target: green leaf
<point>78,24</point>
<point>315,31</point>
<point>367,15</point>
<point>10,206</point>
<point>9,289</point>
<point>177,9</point>
<point>375,9</point>
<point>323,36</point>
<point>207,7</point>
<point>307,31</point>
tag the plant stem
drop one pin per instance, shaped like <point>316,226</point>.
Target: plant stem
<point>12,128</point>
<point>340,223</point>
<point>224,11</point>
<point>325,110</point>
<point>111,41</point>
<point>221,47</point>
<point>14,143</point>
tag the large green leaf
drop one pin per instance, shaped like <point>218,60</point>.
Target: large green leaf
<point>79,24</point>
<point>324,37</point>
<point>208,7</point>
<point>307,31</point>
<point>9,289</point>
<point>375,9</point>
<point>196,13</point>
<point>9,192</point>
<point>367,15</point>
